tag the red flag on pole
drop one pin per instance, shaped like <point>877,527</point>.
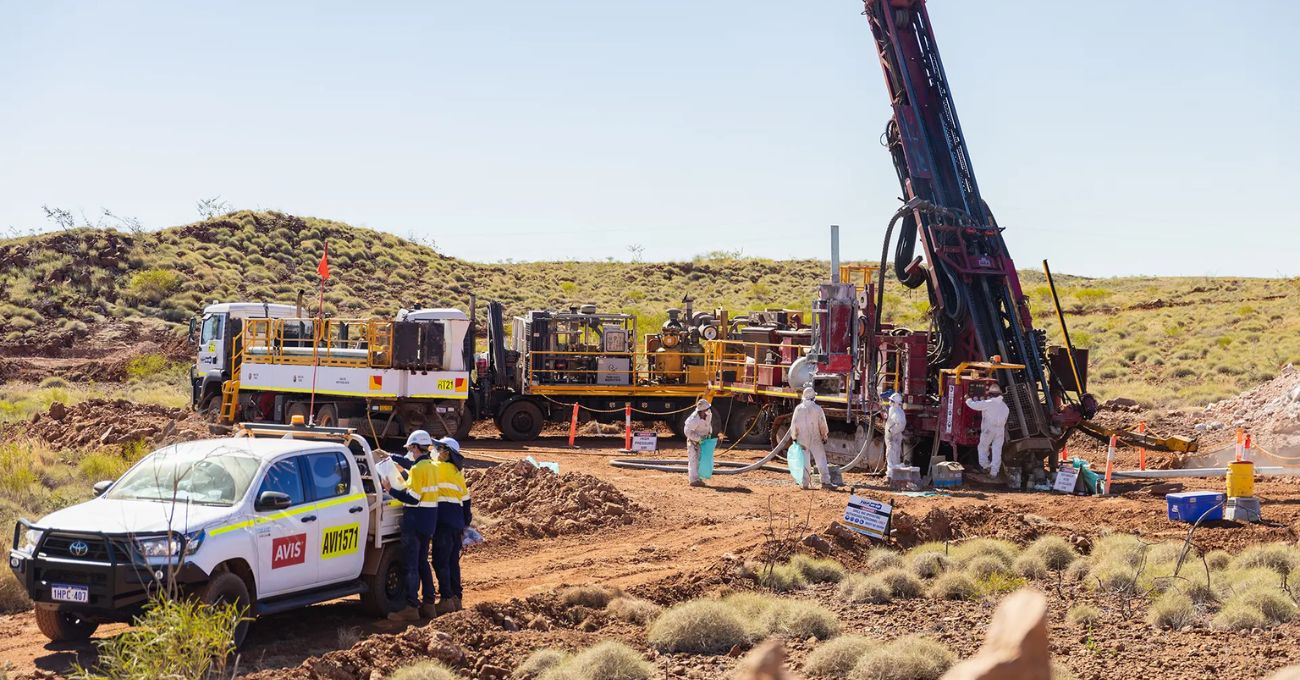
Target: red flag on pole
<point>324,267</point>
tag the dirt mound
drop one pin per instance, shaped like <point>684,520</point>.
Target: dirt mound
<point>1269,412</point>
<point>109,422</point>
<point>526,501</point>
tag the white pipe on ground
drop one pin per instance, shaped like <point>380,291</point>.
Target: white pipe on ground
<point>1273,471</point>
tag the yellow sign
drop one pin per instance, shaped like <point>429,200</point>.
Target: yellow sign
<point>376,382</point>
<point>446,385</point>
<point>340,540</point>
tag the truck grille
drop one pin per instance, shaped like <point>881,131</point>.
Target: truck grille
<point>88,548</point>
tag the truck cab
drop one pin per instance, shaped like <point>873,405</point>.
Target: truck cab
<point>216,334</point>
<point>274,518</point>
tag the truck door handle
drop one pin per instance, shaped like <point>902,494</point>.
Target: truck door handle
<point>309,518</point>
<point>355,509</point>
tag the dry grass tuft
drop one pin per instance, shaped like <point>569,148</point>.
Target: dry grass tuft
<point>1030,565</point>
<point>608,660</point>
<point>799,620</point>
<point>818,570</point>
<point>1275,605</point>
<point>880,559</point>
<point>930,564</point>
<point>539,662</point>
<point>633,610</point>
<point>1172,611</point>
<point>985,566</point>
<point>836,658</point>
<point>907,658</point>
<point>1122,549</point>
<point>1083,615</point>
<point>902,583</point>
<point>1218,559</point>
<point>954,585</point>
<point>1237,615</point>
<point>698,627</point>
<point>425,670</point>
<point>1004,551</point>
<point>782,578</point>
<point>1279,557</point>
<point>590,596</point>
<point>864,589</point>
<point>1055,552</point>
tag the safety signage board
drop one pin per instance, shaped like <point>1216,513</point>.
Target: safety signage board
<point>1066,478</point>
<point>868,517</point>
<point>645,441</point>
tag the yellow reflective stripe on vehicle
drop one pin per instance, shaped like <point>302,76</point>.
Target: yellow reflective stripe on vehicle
<point>283,514</point>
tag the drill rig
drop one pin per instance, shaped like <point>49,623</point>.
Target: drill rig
<point>981,330</point>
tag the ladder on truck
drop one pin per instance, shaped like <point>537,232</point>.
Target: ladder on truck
<point>230,389</point>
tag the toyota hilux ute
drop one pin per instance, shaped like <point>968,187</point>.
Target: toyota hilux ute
<point>274,518</point>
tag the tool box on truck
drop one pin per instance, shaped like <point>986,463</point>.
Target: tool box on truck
<point>1190,506</point>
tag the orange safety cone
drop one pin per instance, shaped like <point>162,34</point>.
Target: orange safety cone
<point>1065,454</point>
<point>573,425</point>
<point>1142,452</point>
<point>627,428</point>
<point>1110,462</point>
<point>1241,440</point>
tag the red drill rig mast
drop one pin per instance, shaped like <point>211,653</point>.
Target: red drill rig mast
<point>978,308</point>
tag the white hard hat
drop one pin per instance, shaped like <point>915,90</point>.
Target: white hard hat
<point>809,393</point>
<point>419,437</point>
<point>896,398</point>
<point>703,405</point>
<point>450,443</point>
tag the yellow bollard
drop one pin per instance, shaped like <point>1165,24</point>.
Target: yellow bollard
<point>1241,479</point>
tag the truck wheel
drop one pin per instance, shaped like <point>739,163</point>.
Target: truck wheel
<point>61,626</point>
<point>748,424</point>
<point>521,421</point>
<point>295,409</point>
<point>327,416</point>
<point>228,588</point>
<point>210,407</point>
<point>386,588</point>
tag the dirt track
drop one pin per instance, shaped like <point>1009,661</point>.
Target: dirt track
<point>684,531</point>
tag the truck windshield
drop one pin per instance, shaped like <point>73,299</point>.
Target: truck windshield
<point>206,478</point>
<point>212,328</point>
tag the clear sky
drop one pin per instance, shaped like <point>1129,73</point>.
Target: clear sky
<point>1112,137</point>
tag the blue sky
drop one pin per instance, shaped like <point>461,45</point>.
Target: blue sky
<point>1111,137</point>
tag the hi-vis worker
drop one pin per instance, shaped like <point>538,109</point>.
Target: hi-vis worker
<point>993,428</point>
<point>808,428</point>
<point>698,427</point>
<point>895,423</point>
<point>419,522</point>
<point>453,518</point>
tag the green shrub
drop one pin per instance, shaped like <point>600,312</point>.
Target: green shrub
<point>698,627</point>
<point>145,366</point>
<point>930,564</point>
<point>53,382</point>
<point>864,589</point>
<point>818,570</point>
<point>907,658</point>
<point>539,662</point>
<point>902,583</point>
<point>1173,610</point>
<point>999,582</point>
<point>173,638</point>
<point>633,610</point>
<point>836,657</point>
<point>1083,615</point>
<point>954,585</point>
<point>102,465</point>
<point>590,596</point>
<point>152,285</point>
<point>424,670</point>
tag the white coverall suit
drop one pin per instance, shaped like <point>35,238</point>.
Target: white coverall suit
<point>697,428</point>
<point>895,423</point>
<point>993,431</point>
<point>808,427</point>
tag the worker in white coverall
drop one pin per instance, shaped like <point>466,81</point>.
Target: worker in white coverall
<point>993,428</point>
<point>698,427</point>
<point>895,423</point>
<point>808,428</point>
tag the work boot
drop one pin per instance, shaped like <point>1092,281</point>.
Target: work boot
<point>429,610</point>
<point>446,605</point>
<point>405,615</point>
<point>698,482</point>
<point>830,486</point>
<point>455,602</point>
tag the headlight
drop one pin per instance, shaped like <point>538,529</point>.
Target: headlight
<point>194,540</point>
<point>31,538</point>
<point>163,546</point>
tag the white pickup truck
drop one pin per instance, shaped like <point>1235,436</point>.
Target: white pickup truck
<point>274,518</point>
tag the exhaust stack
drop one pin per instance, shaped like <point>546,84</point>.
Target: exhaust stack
<point>835,253</point>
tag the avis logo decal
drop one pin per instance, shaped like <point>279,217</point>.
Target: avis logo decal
<point>288,551</point>
<point>340,540</point>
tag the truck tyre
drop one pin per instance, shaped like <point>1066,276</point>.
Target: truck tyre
<point>327,416</point>
<point>60,626</point>
<point>386,588</point>
<point>228,588</point>
<point>521,421</point>
<point>210,407</point>
<point>296,408</point>
<point>748,424</point>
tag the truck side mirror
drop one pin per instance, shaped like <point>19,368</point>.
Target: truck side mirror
<point>193,325</point>
<point>101,487</point>
<point>272,500</point>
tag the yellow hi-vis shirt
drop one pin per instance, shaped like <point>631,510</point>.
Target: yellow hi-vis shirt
<point>453,496</point>
<point>422,484</point>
